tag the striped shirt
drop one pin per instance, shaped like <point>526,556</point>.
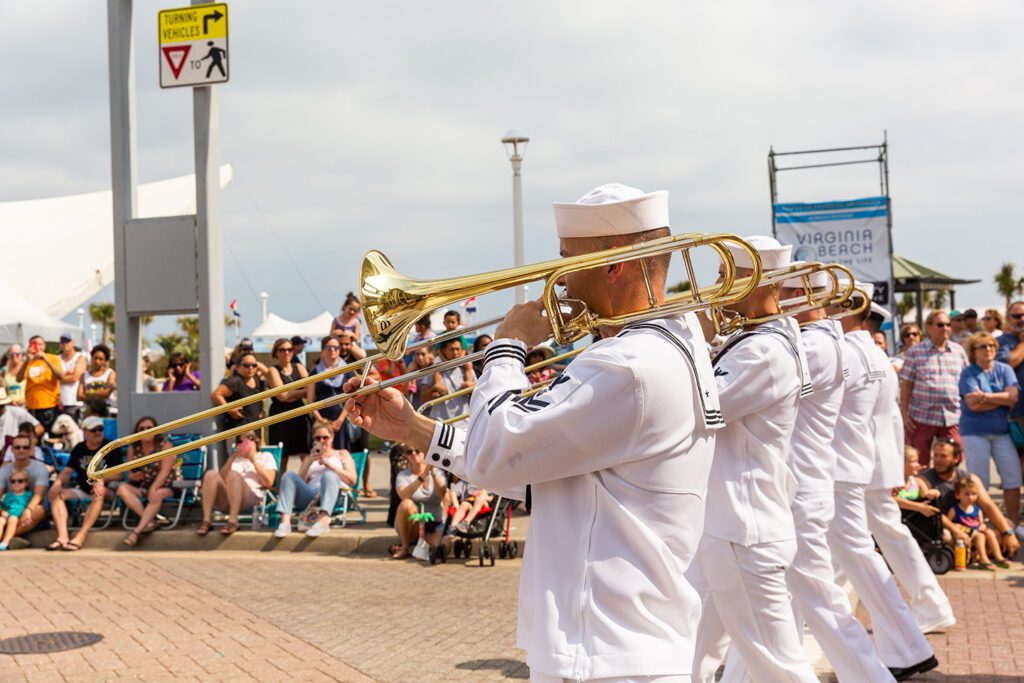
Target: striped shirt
<point>935,374</point>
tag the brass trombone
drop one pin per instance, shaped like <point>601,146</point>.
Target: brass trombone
<point>392,304</point>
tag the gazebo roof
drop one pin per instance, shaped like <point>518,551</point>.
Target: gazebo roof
<point>911,276</point>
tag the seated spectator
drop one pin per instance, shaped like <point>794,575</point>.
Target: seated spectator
<point>468,501</point>
<point>239,484</point>
<point>42,453</point>
<point>41,375</point>
<point>13,505</point>
<point>322,474</point>
<point>348,319</point>
<point>970,527</point>
<point>419,486</point>
<point>11,418</point>
<point>180,376</point>
<point>15,388</point>
<point>480,344</point>
<point>38,483</point>
<point>73,484</point>
<point>242,383</point>
<point>450,381</point>
<point>98,383</point>
<point>992,322</point>
<point>988,390</point>
<point>943,475</point>
<point>539,354</point>
<point>152,482</point>
<point>915,494</point>
<point>398,462</point>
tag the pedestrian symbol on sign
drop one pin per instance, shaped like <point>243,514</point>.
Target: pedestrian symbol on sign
<point>215,55</point>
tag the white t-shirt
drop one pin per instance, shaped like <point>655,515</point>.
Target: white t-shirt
<point>12,417</point>
<point>69,392</point>
<point>247,470</point>
<point>317,469</point>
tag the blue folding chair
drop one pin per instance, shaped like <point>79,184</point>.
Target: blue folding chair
<point>348,498</point>
<point>261,513</point>
<point>190,466</point>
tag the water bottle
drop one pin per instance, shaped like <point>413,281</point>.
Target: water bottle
<point>960,555</point>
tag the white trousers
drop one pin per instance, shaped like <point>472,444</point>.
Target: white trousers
<point>898,639</point>
<point>745,600</point>
<point>820,602</point>
<point>545,678</point>
<point>928,602</point>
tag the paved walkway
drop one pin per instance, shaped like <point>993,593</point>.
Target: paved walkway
<point>275,617</point>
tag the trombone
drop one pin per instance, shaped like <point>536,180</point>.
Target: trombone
<point>392,303</point>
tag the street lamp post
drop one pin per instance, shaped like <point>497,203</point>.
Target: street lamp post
<point>515,146</point>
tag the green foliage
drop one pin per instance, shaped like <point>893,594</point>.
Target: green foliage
<point>679,287</point>
<point>1008,284</point>
<point>906,304</point>
<point>103,313</point>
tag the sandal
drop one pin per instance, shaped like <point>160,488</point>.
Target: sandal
<point>370,493</point>
<point>203,529</point>
<point>56,545</point>
<point>983,566</point>
<point>131,540</point>
<point>228,529</point>
<point>149,528</point>
<point>401,553</point>
<point>1002,564</point>
<point>72,547</point>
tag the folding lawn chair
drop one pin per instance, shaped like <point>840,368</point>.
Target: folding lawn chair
<point>348,498</point>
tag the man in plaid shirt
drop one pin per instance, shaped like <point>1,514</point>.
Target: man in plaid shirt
<point>930,391</point>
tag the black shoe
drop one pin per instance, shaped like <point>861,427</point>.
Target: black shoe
<point>919,668</point>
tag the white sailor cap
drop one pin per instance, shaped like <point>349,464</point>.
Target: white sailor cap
<point>819,279</point>
<point>773,255</point>
<point>880,310</point>
<point>612,209</point>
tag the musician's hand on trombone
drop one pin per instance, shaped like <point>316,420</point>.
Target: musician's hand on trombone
<point>387,414</point>
<point>525,322</point>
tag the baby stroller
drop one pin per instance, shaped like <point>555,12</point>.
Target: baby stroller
<point>498,511</point>
<point>927,531</point>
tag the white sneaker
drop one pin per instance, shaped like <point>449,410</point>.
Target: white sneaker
<point>1020,532</point>
<point>318,530</point>
<point>283,530</point>
<point>940,624</point>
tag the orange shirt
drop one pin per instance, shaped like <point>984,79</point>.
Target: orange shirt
<point>42,388</point>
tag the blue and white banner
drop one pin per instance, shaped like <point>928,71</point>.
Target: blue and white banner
<point>853,233</point>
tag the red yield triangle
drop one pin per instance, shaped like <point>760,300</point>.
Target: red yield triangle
<point>181,53</point>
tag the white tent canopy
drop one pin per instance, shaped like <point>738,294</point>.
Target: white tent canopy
<point>20,320</point>
<point>275,327</point>
<point>80,230</point>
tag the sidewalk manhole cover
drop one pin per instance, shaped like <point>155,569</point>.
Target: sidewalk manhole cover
<point>40,643</point>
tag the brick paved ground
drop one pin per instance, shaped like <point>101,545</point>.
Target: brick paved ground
<point>271,617</point>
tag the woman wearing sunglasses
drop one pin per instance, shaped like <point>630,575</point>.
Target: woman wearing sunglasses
<point>910,334</point>
<point>292,434</point>
<point>147,486</point>
<point>322,474</point>
<point>988,389</point>
<point>244,382</point>
<point>240,484</point>
<point>992,322</point>
<point>180,376</point>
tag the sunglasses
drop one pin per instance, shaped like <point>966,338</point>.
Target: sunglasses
<point>1017,316</point>
<point>19,481</point>
<point>321,438</point>
<point>95,430</point>
<point>249,365</point>
<point>21,448</point>
<point>940,325</point>
<point>141,428</point>
<point>177,365</point>
<point>988,317</point>
<point>990,347</point>
<point>285,349</point>
<point>911,334</point>
<point>332,347</point>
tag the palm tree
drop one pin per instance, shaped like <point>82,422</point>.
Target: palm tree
<point>189,324</point>
<point>1008,284</point>
<point>233,321</point>
<point>172,342</point>
<point>103,313</point>
<point>906,304</point>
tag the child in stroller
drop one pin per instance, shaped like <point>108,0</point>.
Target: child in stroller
<point>465,504</point>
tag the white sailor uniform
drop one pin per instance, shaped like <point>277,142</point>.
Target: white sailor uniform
<point>817,599</point>
<point>618,451</point>
<point>898,640</point>
<point>928,602</point>
<point>749,537</point>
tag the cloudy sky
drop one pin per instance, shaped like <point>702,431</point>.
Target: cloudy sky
<point>376,125</point>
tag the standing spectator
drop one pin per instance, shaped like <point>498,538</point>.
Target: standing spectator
<point>958,331</point>
<point>989,389</point>
<point>299,350</point>
<point>292,434</point>
<point>452,320</point>
<point>993,322</point>
<point>38,481</point>
<point>41,374</point>
<point>72,484</point>
<point>150,384</point>
<point>322,474</point>
<point>910,334</point>
<point>154,482</point>
<point>15,388</point>
<point>180,376</point>
<point>539,354</point>
<point>239,484</point>
<point>479,344</point>
<point>73,363</point>
<point>348,319</point>
<point>11,418</point>
<point>242,383</point>
<point>970,317</point>
<point>330,358</point>
<point>451,380</point>
<point>245,347</point>
<point>98,383</point>
<point>420,390</point>
<point>929,393</point>
<point>14,503</point>
<point>880,341</point>
<point>1011,352</point>
<point>419,485</point>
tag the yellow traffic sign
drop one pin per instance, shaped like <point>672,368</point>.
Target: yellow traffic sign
<point>193,45</point>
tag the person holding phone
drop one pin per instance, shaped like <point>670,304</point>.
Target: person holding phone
<point>41,374</point>
<point>239,484</point>
<point>180,376</point>
<point>322,474</point>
